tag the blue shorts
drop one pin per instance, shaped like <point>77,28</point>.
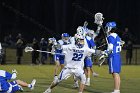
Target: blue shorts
<point>4,86</point>
<point>114,63</point>
<point>15,86</point>
<point>88,62</point>
<point>59,58</point>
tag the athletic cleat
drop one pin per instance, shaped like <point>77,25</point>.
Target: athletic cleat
<point>21,89</point>
<point>76,85</point>
<point>55,78</point>
<point>95,74</point>
<point>48,91</point>
<point>116,91</point>
<point>33,84</point>
<point>87,83</point>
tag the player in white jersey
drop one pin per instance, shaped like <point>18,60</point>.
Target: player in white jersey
<point>89,42</point>
<point>74,63</point>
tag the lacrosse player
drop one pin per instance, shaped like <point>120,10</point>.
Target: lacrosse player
<point>113,54</point>
<point>59,59</point>
<point>13,86</point>
<point>89,42</point>
<point>74,62</point>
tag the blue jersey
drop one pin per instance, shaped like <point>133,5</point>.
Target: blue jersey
<point>59,50</point>
<point>4,85</point>
<point>115,40</point>
<point>114,57</point>
<point>4,76</point>
<point>90,44</point>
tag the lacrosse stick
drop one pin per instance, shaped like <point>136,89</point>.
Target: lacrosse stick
<point>30,49</point>
<point>102,60</point>
<point>99,21</point>
<point>101,45</point>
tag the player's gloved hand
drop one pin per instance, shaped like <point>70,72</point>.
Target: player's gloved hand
<point>122,43</point>
<point>52,51</point>
<point>103,55</point>
<point>14,71</point>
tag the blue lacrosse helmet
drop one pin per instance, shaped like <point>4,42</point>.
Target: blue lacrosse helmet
<point>111,24</point>
<point>65,35</point>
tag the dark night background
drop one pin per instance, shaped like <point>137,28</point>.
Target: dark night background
<point>50,18</point>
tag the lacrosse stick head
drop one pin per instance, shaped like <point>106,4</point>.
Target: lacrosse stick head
<point>101,60</point>
<point>85,24</point>
<point>28,49</point>
<point>98,18</point>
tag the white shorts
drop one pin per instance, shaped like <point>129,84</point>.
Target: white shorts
<point>67,72</point>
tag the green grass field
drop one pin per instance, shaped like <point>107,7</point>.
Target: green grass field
<point>130,79</point>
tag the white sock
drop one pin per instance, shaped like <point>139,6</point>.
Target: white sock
<point>80,92</point>
<point>29,85</point>
<point>116,90</point>
<point>88,79</point>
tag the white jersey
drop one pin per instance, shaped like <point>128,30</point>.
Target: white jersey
<point>74,56</point>
<point>72,40</point>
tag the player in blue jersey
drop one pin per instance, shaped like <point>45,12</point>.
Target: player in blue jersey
<point>113,53</point>
<point>7,86</point>
<point>59,59</point>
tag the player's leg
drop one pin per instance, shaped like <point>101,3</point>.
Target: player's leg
<point>57,65</point>
<point>87,64</point>
<point>61,63</point>
<point>80,73</point>
<point>116,78</point>
<point>64,74</point>
<point>88,76</point>
<point>76,85</point>
<point>115,69</point>
<point>24,84</point>
<point>91,70</point>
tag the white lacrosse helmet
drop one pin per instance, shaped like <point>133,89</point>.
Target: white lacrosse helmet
<point>79,40</point>
<point>80,30</point>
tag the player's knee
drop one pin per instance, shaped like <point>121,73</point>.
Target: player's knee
<point>83,79</point>
<point>56,81</point>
